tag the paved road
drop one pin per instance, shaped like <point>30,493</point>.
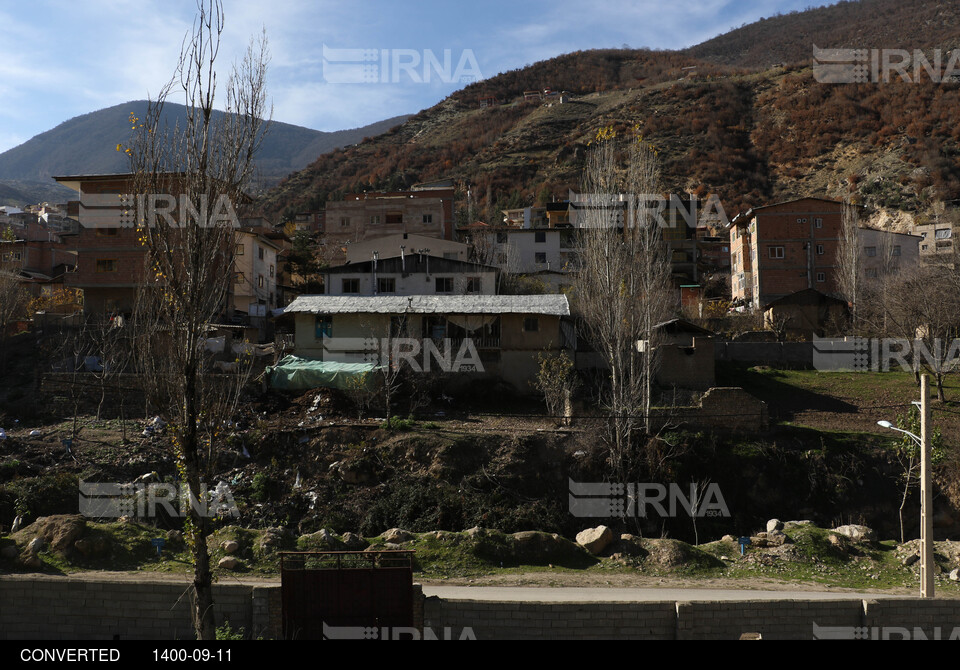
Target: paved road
<point>579,594</point>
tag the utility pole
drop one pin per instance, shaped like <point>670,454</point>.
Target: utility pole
<point>927,564</point>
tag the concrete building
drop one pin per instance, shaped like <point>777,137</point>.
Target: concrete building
<point>407,244</point>
<point>506,334</point>
<point>411,274</point>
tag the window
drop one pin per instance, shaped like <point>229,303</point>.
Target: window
<point>896,250</point>
<point>271,271</point>
<point>818,222</point>
<point>108,232</point>
<point>323,326</point>
<point>259,281</point>
<point>260,253</point>
<point>871,251</point>
<point>344,221</point>
<point>531,324</point>
<point>820,250</point>
<point>872,273</point>
<point>386,285</point>
<point>540,257</point>
<point>350,285</point>
<point>539,237</point>
<point>943,233</point>
<point>923,247</point>
<point>394,218</point>
<point>776,252</point>
<point>473,285</point>
<point>428,218</point>
<point>374,219</point>
<point>821,277</point>
<point>106,265</point>
<point>444,284</point>
<point>238,278</point>
<point>239,250</point>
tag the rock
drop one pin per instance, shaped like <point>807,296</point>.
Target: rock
<point>17,524</point>
<point>955,575</point>
<point>87,546</point>
<point>354,542</point>
<point>59,531</point>
<point>174,537</point>
<point>355,473</point>
<point>595,540</point>
<point>857,533</point>
<point>473,532</point>
<point>323,539</point>
<point>230,546</point>
<point>629,545</point>
<point>728,538</point>
<point>834,540</point>
<point>229,563</point>
<point>910,560</point>
<point>397,536</point>
<point>30,557</point>
<point>774,524</point>
<point>771,539</point>
<point>9,552</point>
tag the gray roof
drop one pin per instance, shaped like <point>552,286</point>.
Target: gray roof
<point>555,305</point>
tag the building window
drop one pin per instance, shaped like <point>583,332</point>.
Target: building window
<point>394,218</point>
<point>473,285</point>
<point>943,233</point>
<point>531,324</point>
<point>323,326</point>
<point>872,273</point>
<point>107,265</point>
<point>924,247</point>
<point>386,285</point>
<point>238,278</point>
<point>271,272</point>
<point>350,285</point>
<point>820,250</point>
<point>776,252</point>
<point>444,285</point>
<point>239,250</point>
<point>539,237</point>
<point>540,257</point>
<point>260,253</point>
<point>108,232</point>
<point>428,218</point>
<point>375,219</point>
<point>821,277</point>
<point>344,221</point>
<point>871,251</point>
<point>259,281</point>
<point>818,222</point>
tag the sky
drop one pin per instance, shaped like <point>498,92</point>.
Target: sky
<point>333,64</point>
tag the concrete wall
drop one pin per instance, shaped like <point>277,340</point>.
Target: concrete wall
<point>45,608</point>
<point>58,608</point>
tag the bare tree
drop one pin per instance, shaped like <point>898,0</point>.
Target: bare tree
<point>623,286</point>
<point>13,305</point>
<point>205,163</point>
<point>850,261</point>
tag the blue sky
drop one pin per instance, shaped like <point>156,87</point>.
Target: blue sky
<point>63,58</point>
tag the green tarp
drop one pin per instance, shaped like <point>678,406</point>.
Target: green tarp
<point>293,373</point>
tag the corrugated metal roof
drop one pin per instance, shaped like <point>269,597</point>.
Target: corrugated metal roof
<point>555,305</point>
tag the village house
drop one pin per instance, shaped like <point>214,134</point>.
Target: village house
<point>411,274</point>
<point>498,336</point>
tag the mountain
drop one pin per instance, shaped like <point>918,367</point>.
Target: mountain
<point>87,145</point>
<point>733,116</point>
<point>877,24</point>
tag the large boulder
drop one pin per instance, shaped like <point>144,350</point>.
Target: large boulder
<point>398,536</point>
<point>595,540</point>
<point>857,533</point>
<point>354,542</point>
<point>533,547</point>
<point>229,563</point>
<point>59,532</point>
<point>774,524</point>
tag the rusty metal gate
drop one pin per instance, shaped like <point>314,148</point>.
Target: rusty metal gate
<point>346,591</point>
